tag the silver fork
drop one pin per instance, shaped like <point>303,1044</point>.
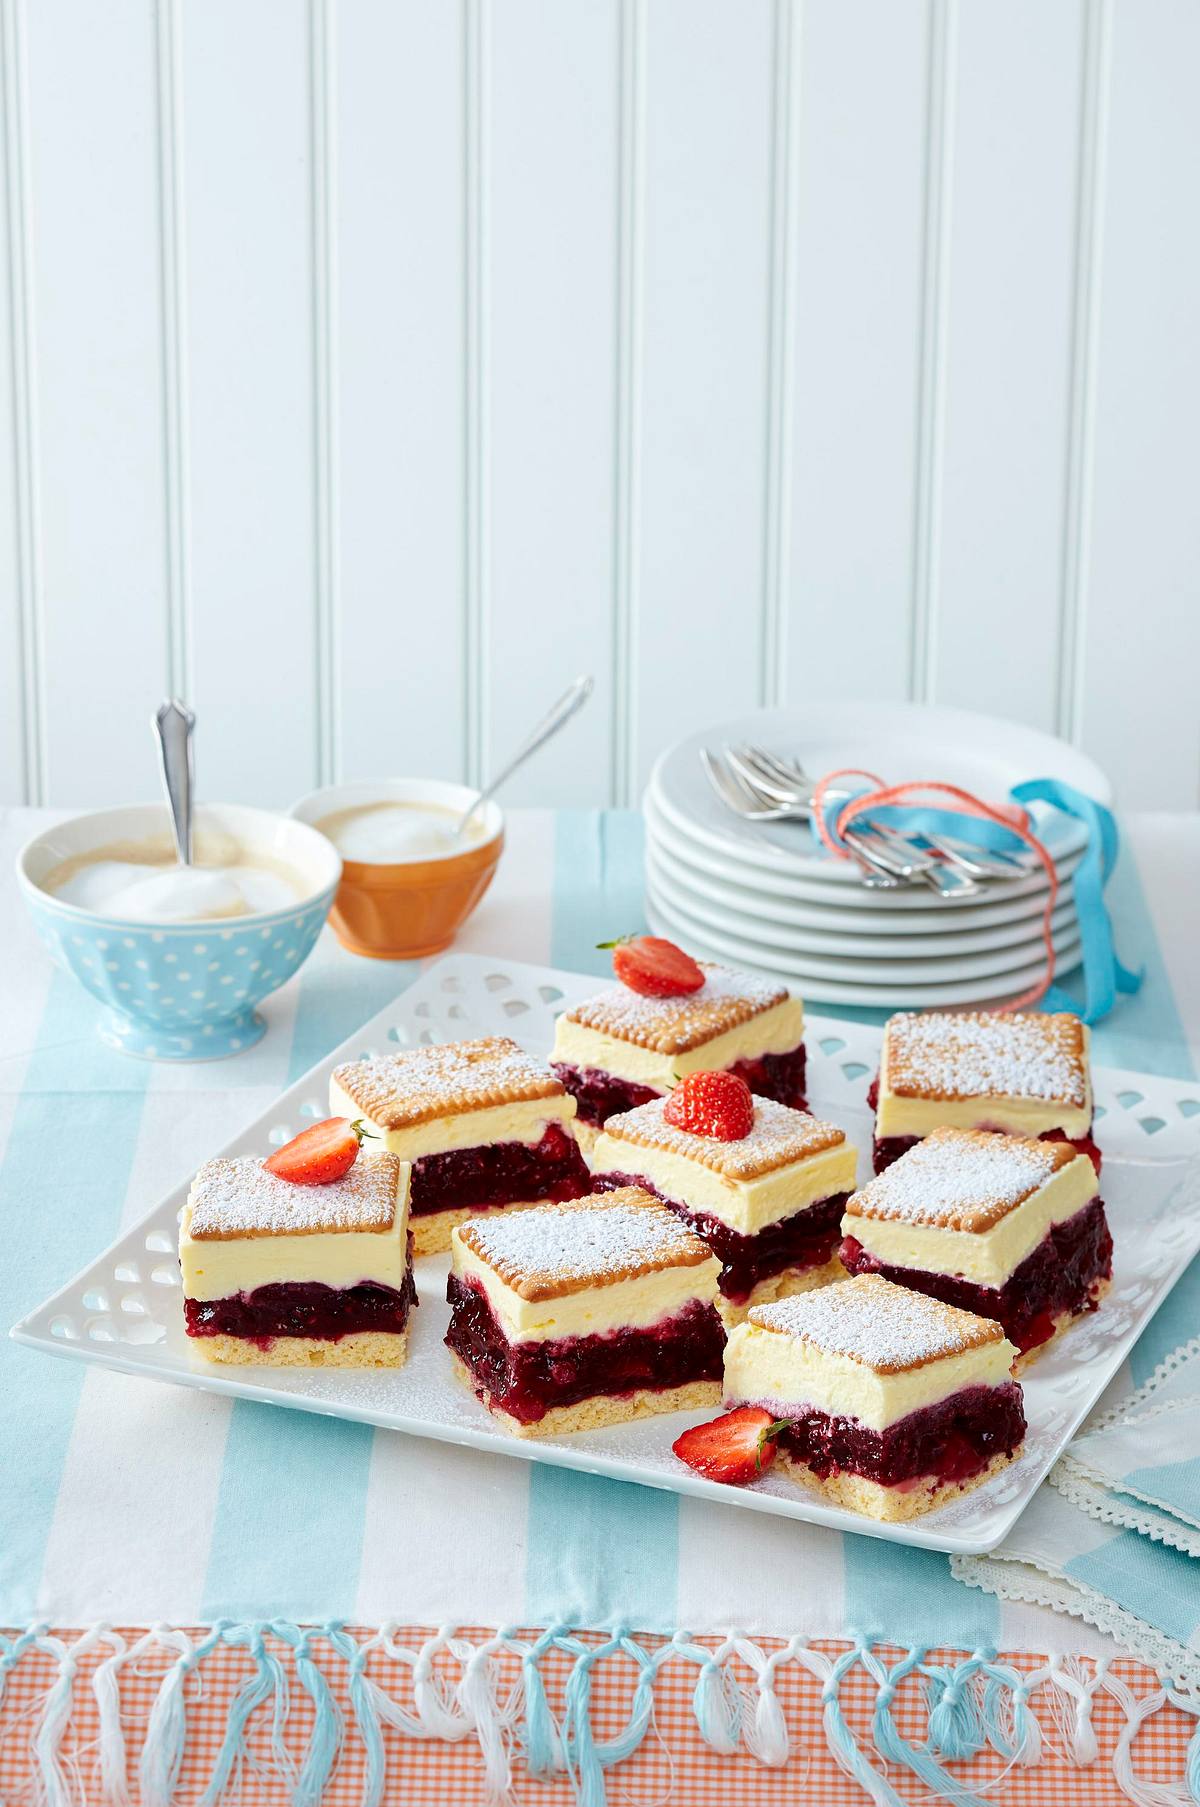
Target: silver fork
<point>896,851</point>
<point>936,867</point>
<point>737,794</point>
<point>977,862</point>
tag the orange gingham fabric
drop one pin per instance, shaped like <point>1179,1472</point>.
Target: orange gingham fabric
<point>673,1763</point>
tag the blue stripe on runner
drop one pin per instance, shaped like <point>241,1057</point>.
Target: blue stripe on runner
<point>338,991</point>
<point>300,1563</point>
<point>1146,1033</point>
<point>1147,1578</point>
<point>73,1084</point>
<point>598,1550</point>
<point>906,1596</point>
<point>288,1526</point>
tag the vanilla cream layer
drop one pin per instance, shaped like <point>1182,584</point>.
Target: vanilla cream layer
<point>216,1269</point>
<point>774,1031</point>
<point>623,1305</point>
<point>524,1120</point>
<point>767,1367</point>
<point>987,1257</point>
<point>747,1206</point>
<point>1019,1116</point>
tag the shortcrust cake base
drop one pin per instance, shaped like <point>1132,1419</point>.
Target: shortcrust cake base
<point>1062,1324</point>
<point>431,1231</point>
<point>604,1409</point>
<point>784,1285</point>
<point>856,1493</point>
<point>360,1349</point>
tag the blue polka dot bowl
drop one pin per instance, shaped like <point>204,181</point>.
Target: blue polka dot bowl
<point>182,990</point>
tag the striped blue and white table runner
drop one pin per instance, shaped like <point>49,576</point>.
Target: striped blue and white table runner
<point>135,1503</point>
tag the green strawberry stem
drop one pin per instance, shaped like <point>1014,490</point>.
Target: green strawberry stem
<point>768,1435</point>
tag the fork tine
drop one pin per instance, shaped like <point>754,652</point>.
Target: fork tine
<point>729,788</point>
<point>790,770</point>
<point>765,785</point>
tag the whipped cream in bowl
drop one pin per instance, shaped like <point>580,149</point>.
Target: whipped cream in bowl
<point>179,955</point>
<point>386,833</point>
<point>409,882</point>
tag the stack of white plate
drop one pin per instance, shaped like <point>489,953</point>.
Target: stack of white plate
<point>768,896</point>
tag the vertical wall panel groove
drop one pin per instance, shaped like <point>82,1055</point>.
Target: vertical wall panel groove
<point>20,276</point>
<point>628,397</point>
<point>475,556</point>
<point>1085,318</point>
<point>174,340</point>
<point>324,329</point>
<point>777,514</point>
<point>931,390</point>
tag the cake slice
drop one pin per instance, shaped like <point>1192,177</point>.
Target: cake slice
<point>620,1048</point>
<point>570,1317</point>
<point>983,1069</point>
<point>891,1402</point>
<point>769,1204</point>
<point>484,1125</point>
<point>1006,1226</point>
<point>290,1275</point>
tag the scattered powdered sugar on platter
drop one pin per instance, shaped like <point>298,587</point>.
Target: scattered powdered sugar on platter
<point>557,1249</point>
<point>241,1197</point>
<point>872,1321</point>
<point>673,1025</point>
<point>979,1054</point>
<point>959,1179</point>
<point>780,1135</point>
<point>396,1090</point>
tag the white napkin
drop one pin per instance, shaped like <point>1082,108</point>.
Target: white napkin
<point>1115,1537</point>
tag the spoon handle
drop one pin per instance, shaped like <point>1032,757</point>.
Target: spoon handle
<point>173,723</point>
<point>568,703</point>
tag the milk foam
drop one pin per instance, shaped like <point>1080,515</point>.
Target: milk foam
<point>383,833</point>
<point>142,882</point>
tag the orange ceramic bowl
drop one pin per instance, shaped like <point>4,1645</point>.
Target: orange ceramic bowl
<point>403,909</point>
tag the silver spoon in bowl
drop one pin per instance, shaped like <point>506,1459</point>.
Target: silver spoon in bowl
<point>174,723</point>
<point>568,704</point>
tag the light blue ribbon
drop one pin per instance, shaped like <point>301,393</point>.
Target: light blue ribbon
<point>1104,977</point>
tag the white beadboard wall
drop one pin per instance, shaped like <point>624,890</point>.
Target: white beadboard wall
<point>369,368</point>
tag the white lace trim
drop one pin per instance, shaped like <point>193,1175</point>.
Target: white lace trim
<point>1037,1585</point>
<point>1095,1494</point>
<point>1132,1404</point>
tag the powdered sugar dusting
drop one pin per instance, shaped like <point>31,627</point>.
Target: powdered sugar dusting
<point>674,1025</point>
<point>419,1084</point>
<point>872,1321</point>
<point>958,1179</point>
<point>241,1197</point>
<point>982,1054</point>
<point>779,1137</point>
<point>553,1250</point>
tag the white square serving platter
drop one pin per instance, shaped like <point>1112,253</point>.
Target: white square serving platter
<point>125,1309</point>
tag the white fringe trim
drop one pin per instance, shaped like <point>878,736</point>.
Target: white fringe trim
<point>971,1704</point>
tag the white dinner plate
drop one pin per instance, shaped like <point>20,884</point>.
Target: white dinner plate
<point>907,910</point>
<point>901,742</point>
<point>124,1309</point>
<point>730,950</point>
<point>979,977</point>
<point>912,962</point>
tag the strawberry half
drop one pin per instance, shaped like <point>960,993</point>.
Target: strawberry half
<point>320,1154</point>
<point>736,1448</point>
<point>720,1105</point>
<point>654,968</point>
